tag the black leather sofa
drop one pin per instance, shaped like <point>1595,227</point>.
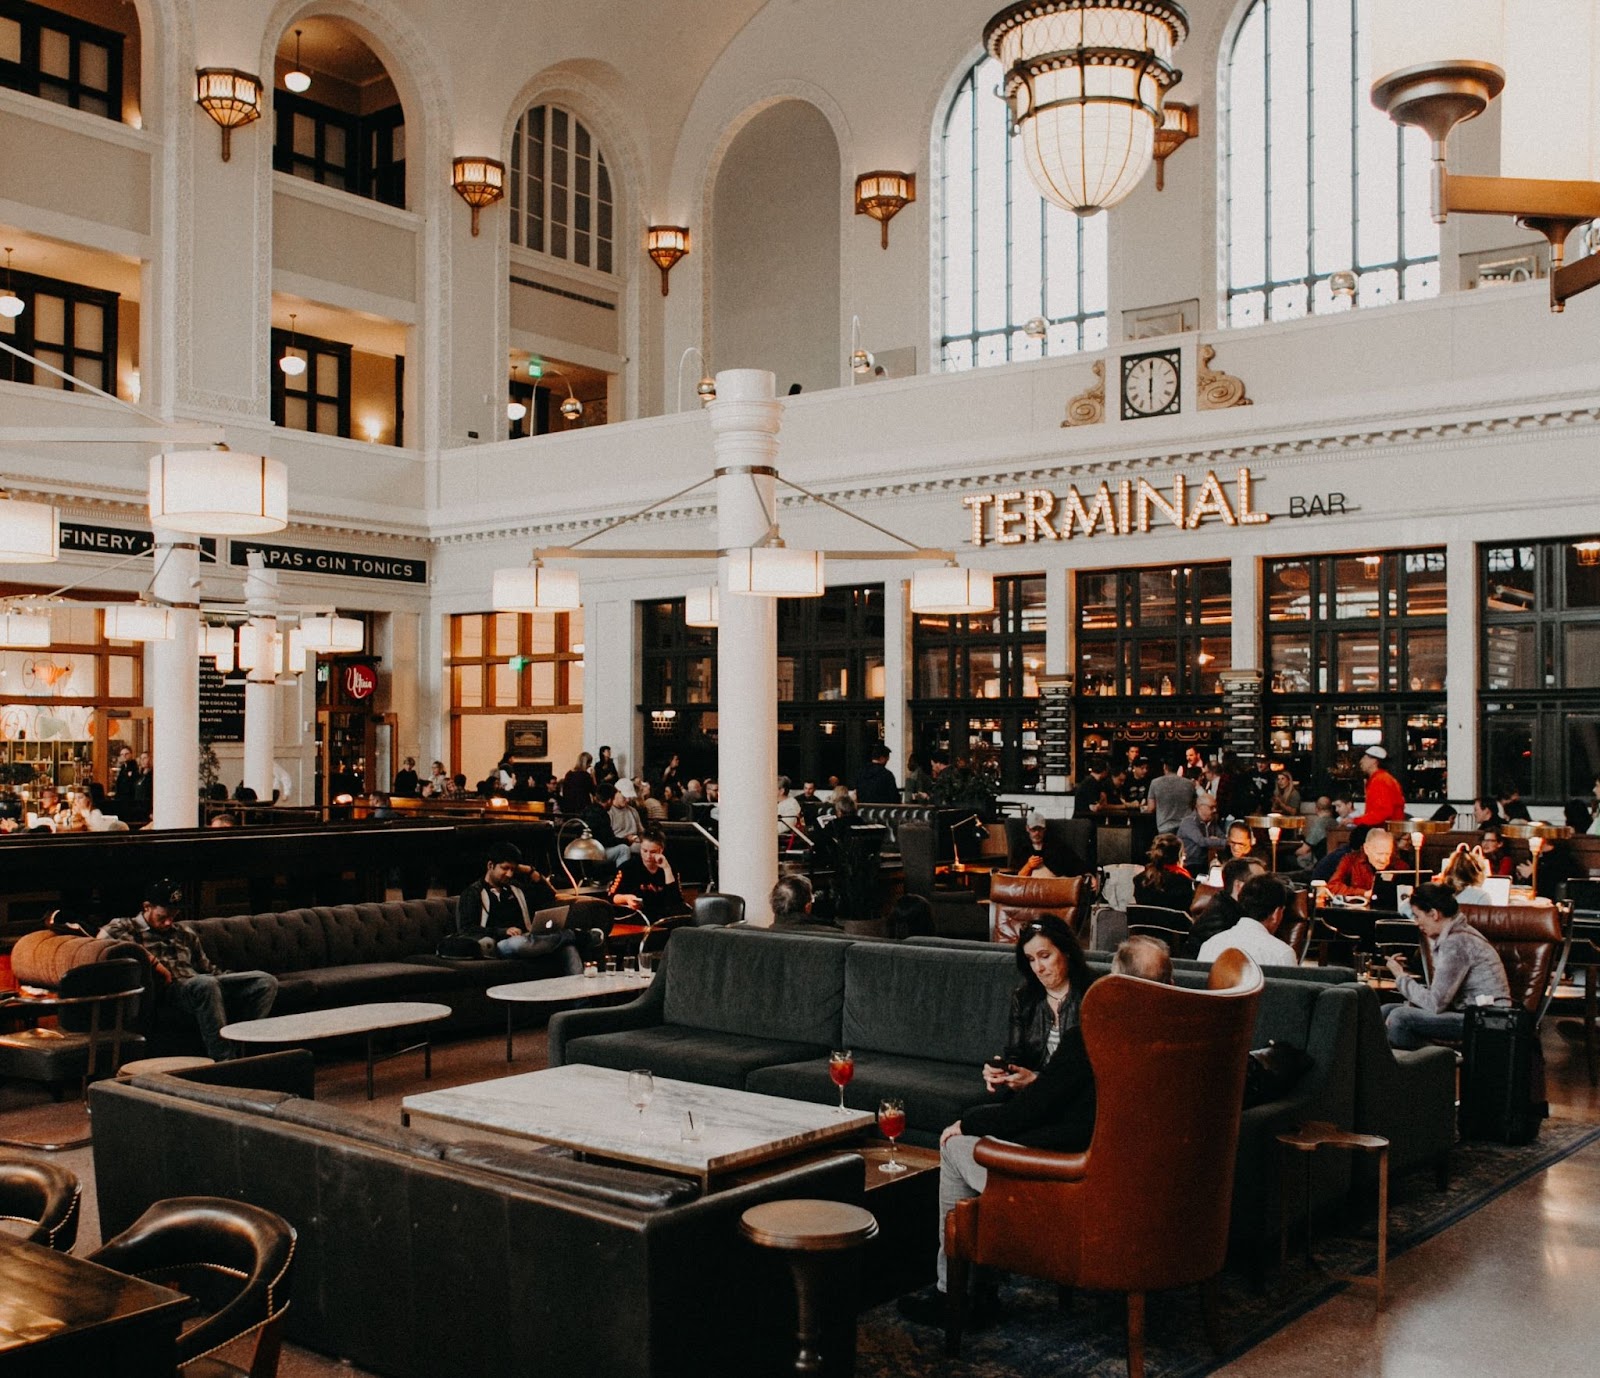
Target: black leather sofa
<point>424,1258</point>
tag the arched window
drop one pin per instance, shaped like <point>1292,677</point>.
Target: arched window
<point>561,189</point>
<point>1318,181</point>
<point>1009,255</point>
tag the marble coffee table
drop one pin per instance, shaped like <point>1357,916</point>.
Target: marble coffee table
<point>556,990</point>
<point>343,1021</point>
<point>587,1109</point>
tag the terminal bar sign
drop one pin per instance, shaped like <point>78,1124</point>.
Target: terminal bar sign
<point>1132,505</point>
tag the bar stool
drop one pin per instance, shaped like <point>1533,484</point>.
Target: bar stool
<point>1306,1140</point>
<point>810,1234</point>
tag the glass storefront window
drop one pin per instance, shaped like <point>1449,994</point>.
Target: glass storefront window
<point>1215,656</point>
<point>1158,669</point>
<point>1580,658</point>
<point>1213,585</point>
<point>1291,665</point>
<point>785,679</point>
<point>1289,591</point>
<point>507,626</point>
<point>1097,670</point>
<point>1425,584</point>
<point>833,677</point>
<point>700,686</point>
<point>1582,582</point>
<point>1158,597</point>
<point>983,671</point>
<point>467,687</point>
<point>1425,661</point>
<point>933,673</point>
<point>1097,602</point>
<point>1031,606</point>
<point>507,685</point>
<point>1357,585</point>
<point>1357,654</point>
<point>1510,661</point>
<point>1511,574</point>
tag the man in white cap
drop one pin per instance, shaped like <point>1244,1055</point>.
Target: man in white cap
<point>1385,803</point>
<point>1041,855</point>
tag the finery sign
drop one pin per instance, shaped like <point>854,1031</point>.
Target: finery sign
<point>1039,515</point>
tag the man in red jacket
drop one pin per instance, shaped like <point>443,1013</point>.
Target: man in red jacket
<point>1385,803</point>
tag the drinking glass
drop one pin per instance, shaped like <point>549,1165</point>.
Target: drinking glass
<point>892,1121</point>
<point>841,1068</point>
<point>641,1089</point>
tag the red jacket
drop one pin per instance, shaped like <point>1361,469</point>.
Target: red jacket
<point>1385,803</point>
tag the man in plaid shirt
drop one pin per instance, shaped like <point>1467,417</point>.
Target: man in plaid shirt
<point>186,976</point>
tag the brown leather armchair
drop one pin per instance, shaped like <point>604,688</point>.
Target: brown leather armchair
<point>1015,901</point>
<point>1532,940</point>
<point>1146,1206</point>
<point>43,1198</point>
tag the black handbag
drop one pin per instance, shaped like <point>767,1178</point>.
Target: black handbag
<point>464,945</point>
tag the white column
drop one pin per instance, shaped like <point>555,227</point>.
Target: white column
<point>897,675</point>
<point>744,424</point>
<point>175,693</point>
<point>1246,578</point>
<point>260,694</point>
<point>1461,642</point>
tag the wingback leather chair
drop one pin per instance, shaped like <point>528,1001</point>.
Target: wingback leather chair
<point>1531,940</point>
<point>1015,901</point>
<point>233,1258</point>
<point>43,1197</point>
<point>1146,1206</point>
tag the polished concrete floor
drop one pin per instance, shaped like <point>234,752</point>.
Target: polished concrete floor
<point>1509,1287</point>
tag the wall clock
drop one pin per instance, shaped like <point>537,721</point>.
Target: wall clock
<point>1151,384</point>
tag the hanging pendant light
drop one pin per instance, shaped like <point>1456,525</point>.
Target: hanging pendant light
<point>291,363</point>
<point>216,643</point>
<point>702,607</point>
<point>139,622</point>
<point>774,571</point>
<point>299,80</point>
<point>534,588</point>
<point>24,631</point>
<point>1085,81</point>
<point>952,590</point>
<point>332,635</point>
<point>11,305</point>
<point>218,493</point>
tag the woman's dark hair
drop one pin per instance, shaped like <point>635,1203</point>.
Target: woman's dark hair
<point>1491,806</point>
<point>1056,929</point>
<point>1436,899</point>
<point>911,917</point>
<point>1165,851</point>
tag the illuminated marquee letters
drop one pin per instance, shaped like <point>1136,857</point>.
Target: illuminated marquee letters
<point>1017,517</point>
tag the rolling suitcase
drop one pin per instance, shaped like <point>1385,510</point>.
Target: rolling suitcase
<point>1497,1076</point>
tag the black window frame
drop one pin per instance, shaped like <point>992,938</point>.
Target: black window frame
<point>315,349</point>
<point>370,171</point>
<point>27,76</point>
<point>24,331</point>
<point>1530,734</point>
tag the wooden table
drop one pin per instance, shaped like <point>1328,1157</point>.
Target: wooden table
<point>586,1109</point>
<point>62,1315</point>
<point>556,990</point>
<point>345,1020</point>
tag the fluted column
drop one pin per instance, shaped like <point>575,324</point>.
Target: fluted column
<point>744,424</point>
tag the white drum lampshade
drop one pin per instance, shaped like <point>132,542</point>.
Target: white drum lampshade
<point>774,571</point>
<point>534,588</point>
<point>952,590</point>
<point>24,631</point>
<point>702,607</point>
<point>332,635</point>
<point>28,532</point>
<point>1085,80</point>
<point>289,650</point>
<point>216,643</point>
<point>139,622</point>
<point>1550,109</point>
<point>256,646</point>
<point>218,493</point>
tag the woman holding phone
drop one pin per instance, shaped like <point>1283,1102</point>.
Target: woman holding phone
<point>1044,1005</point>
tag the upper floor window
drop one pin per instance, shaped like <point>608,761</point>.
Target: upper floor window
<point>1011,259</point>
<point>1318,181</point>
<point>68,326</point>
<point>61,59</point>
<point>561,201</point>
<point>364,154</point>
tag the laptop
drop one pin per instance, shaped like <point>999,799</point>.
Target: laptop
<point>1499,888</point>
<point>548,920</point>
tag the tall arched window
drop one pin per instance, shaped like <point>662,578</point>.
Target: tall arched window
<point>1319,182</point>
<point>1009,255</point>
<point>561,189</point>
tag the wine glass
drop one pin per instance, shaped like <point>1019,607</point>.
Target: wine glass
<point>892,1121</point>
<point>641,1090</point>
<point>841,1068</point>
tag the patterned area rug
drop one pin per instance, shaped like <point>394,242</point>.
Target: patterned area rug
<point>1087,1339</point>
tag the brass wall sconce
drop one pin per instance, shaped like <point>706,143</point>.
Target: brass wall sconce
<point>479,182</point>
<point>1435,75</point>
<point>666,244</point>
<point>1588,553</point>
<point>231,97</point>
<point>1179,124</point>
<point>883,195</point>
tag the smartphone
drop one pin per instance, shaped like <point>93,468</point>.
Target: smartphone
<point>998,1062</point>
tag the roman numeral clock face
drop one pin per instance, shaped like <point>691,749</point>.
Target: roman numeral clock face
<point>1150,384</point>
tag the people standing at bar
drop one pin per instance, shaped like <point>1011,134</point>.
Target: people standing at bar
<point>1385,803</point>
<point>1201,835</point>
<point>875,784</point>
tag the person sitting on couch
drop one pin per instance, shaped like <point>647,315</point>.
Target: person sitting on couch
<point>504,906</point>
<point>1054,1107</point>
<point>646,884</point>
<point>1263,901</point>
<point>792,899</point>
<point>188,978</point>
<point>1466,971</point>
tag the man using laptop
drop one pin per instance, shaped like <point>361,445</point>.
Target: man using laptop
<point>514,906</point>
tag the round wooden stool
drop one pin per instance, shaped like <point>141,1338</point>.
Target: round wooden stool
<point>809,1234</point>
<point>160,1064</point>
<point>1306,1140</point>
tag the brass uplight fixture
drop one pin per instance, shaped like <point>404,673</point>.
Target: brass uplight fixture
<point>232,98</point>
<point>666,244</point>
<point>883,195</point>
<point>1179,124</point>
<point>479,182</point>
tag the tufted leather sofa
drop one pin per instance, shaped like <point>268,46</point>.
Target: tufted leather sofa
<point>421,1257</point>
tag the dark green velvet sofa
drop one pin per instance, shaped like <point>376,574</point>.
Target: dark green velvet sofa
<point>759,1011</point>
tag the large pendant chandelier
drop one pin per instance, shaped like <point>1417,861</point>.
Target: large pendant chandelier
<point>1085,81</point>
